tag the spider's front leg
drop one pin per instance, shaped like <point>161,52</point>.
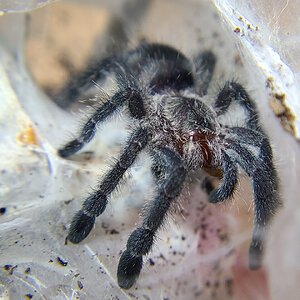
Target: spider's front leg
<point>89,129</point>
<point>141,239</point>
<point>128,92</point>
<point>95,204</point>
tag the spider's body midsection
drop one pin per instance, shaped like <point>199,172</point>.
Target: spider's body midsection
<point>195,138</point>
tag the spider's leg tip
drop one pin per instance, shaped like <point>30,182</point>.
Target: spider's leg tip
<point>80,228</point>
<point>129,269</point>
<point>254,265</point>
<point>71,148</point>
<point>209,57</point>
<point>214,197</point>
<point>255,255</point>
<point>62,153</point>
<point>255,261</point>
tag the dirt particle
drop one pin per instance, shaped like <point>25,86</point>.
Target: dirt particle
<point>151,262</point>
<point>114,231</point>
<point>79,284</point>
<point>2,211</point>
<point>61,261</point>
<point>9,268</point>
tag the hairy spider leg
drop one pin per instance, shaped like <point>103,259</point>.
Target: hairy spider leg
<point>95,204</point>
<point>96,72</point>
<point>205,64</point>
<point>207,184</point>
<point>265,188</point>
<point>233,91</point>
<point>89,129</point>
<point>85,80</point>
<point>101,114</point>
<point>123,24</point>
<point>115,39</point>
<point>230,172</point>
<point>141,240</point>
<point>134,61</point>
<point>230,180</point>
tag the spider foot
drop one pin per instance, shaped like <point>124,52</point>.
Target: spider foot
<point>215,197</point>
<point>256,254</point>
<point>129,269</point>
<point>71,148</point>
<point>81,226</point>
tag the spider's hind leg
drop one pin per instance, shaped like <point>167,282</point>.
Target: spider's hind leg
<point>205,64</point>
<point>82,85</point>
<point>107,49</point>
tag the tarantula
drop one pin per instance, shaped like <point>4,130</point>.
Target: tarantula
<point>165,94</point>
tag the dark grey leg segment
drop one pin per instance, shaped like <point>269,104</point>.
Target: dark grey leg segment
<point>248,136</point>
<point>233,91</point>
<point>80,83</point>
<point>230,179</point>
<point>266,196</point>
<point>136,105</point>
<point>141,239</point>
<point>95,204</point>
<point>123,25</point>
<point>112,43</point>
<point>205,65</point>
<point>102,113</point>
<point>267,202</point>
<point>207,185</point>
